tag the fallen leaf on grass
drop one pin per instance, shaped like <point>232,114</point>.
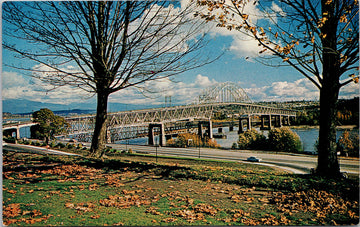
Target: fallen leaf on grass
<point>320,203</point>
<point>153,210</point>
<point>204,208</point>
<point>87,207</point>
<point>169,220</point>
<point>92,187</point>
<point>125,201</point>
<point>236,198</point>
<point>12,191</point>
<point>12,210</point>
<point>189,215</point>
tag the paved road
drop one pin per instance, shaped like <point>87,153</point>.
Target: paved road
<point>300,164</point>
<point>27,148</point>
<point>293,162</point>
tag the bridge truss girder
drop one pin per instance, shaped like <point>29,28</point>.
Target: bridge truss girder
<point>134,124</point>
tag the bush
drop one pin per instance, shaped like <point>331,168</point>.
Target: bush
<point>9,139</point>
<point>191,140</point>
<point>52,144</point>
<point>26,142</point>
<point>283,139</point>
<point>36,143</point>
<point>61,145</point>
<point>252,139</point>
<point>234,146</point>
<point>70,145</point>
<point>79,146</point>
<point>348,144</point>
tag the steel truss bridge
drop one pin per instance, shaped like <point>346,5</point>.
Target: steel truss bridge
<point>136,123</point>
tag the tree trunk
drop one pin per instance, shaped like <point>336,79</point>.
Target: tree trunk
<point>98,142</point>
<point>328,164</point>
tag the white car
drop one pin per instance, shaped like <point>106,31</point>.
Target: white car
<point>253,159</point>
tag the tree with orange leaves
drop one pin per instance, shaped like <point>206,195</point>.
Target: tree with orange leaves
<point>320,39</point>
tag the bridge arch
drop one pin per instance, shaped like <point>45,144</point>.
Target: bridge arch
<point>224,93</point>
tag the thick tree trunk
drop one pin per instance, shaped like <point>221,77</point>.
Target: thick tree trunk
<point>98,142</point>
<point>328,164</point>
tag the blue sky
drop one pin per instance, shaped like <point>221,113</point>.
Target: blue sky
<point>262,83</point>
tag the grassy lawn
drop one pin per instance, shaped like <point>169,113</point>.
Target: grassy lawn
<point>136,190</point>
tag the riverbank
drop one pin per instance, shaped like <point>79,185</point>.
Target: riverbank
<point>350,127</point>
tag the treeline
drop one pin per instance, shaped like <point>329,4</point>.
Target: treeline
<point>347,113</point>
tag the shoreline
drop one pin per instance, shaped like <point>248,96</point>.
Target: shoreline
<point>317,126</point>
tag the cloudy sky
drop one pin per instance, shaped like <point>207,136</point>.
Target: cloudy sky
<point>238,65</point>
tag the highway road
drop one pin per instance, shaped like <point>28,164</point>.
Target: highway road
<point>296,163</point>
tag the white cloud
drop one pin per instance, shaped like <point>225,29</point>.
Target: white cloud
<point>204,81</point>
<point>301,89</point>
<point>15,86</point>
<point>350,90</point>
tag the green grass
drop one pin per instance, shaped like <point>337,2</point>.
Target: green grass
<point>135,190</point>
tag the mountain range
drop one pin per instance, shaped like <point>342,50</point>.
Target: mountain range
<point>22,106</point>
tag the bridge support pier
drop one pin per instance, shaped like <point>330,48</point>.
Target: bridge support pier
<point>209,131</point>
<point>10,132</point>
<point>263,119</point>
<point>286,120</point>
<point>278,122</point>
<point>241,124</point>
<point>162,140</point>
<point>108,136</point>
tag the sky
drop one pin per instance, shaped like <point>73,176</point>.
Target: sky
<point>238,64</point>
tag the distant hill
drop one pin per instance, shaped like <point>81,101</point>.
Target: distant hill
<point>23,107</point>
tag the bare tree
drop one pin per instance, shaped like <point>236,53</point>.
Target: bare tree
<point>320,39</point>
<point>103,47</point>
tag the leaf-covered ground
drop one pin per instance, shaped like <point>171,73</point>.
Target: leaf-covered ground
<point>134,190</point>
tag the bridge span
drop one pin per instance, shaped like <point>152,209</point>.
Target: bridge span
<point>138,123</point>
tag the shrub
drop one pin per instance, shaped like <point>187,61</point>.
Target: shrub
<point>283,139</point>
<point>191,140</point>
<point>252,139</point>
<point>52,144</point>
<point>234,146</point>
<point>9,139</point>
<point>70,145</point>
<point>36,143</point>
<point>79,146</point>
<point>348,144</point>
<point>26,142</point>
<point>61,145</point>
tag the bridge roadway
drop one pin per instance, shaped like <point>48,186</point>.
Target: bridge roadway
<point>125,121</point>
